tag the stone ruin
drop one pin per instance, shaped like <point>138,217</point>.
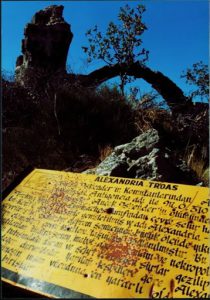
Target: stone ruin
<point>147,157</point>
<point>45,45</point>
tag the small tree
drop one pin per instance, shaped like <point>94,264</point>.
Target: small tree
<point>121,43</point>
<point>198,76</point>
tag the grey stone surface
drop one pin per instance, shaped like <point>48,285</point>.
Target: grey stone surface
<point>46,43</point>
<point>147,157</point>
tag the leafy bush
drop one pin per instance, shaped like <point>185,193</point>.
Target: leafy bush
<point>198,77</point>
<point>54,129</point>
<point>66,126</point>
<point>89,119</point>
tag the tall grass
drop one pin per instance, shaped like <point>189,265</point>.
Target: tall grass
<point>66,126</point>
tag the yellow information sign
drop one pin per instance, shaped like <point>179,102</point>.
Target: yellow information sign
<point>106,237</point>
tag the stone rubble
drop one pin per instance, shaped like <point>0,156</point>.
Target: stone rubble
<point>147,157</point>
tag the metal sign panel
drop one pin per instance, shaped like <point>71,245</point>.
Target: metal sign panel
<point>105,237</point>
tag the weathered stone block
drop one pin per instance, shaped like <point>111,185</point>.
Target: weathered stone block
<point>46,43</point>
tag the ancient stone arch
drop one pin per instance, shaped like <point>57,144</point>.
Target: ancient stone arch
<point>163,85</point>
<point>46,44</point>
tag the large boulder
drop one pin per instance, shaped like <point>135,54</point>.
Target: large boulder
<point>148,157</point>
<point>45,45</point>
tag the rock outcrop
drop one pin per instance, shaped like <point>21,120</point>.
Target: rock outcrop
<point>147,157</point>
<point>45,45</point>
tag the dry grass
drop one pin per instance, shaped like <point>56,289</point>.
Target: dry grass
<point>90,124</point>
<point>195,157</point>
<point>153,118</point>
<point>104,152</point>
<point>84,126</point>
